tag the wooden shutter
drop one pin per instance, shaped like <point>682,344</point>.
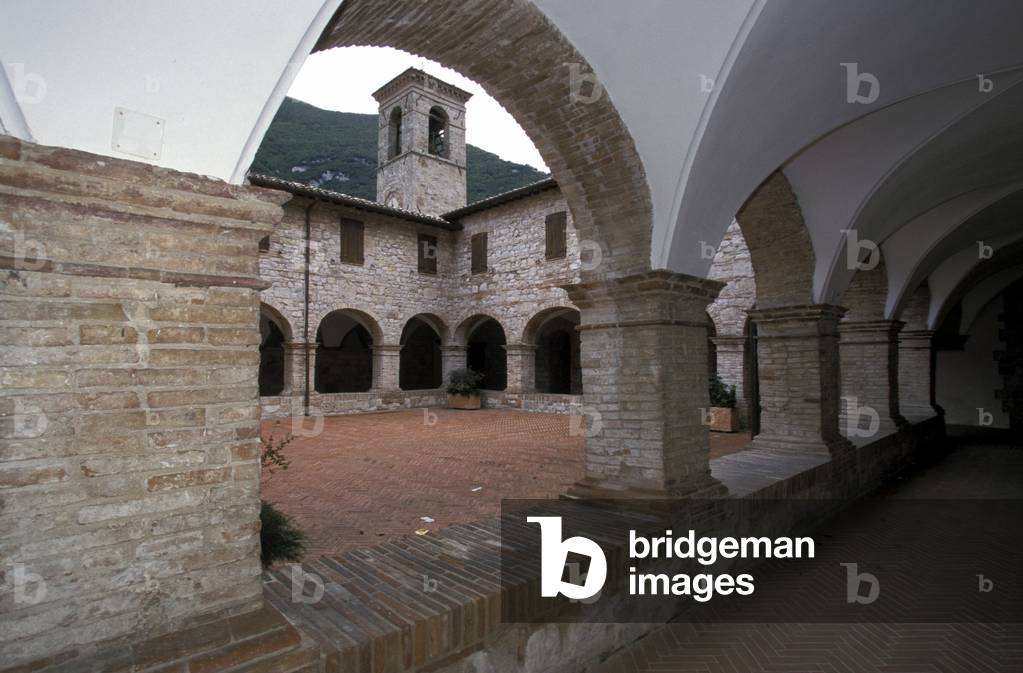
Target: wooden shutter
<point>427,253</point>
<point>479,252</point>
<point>352,235</point>
<point>556,246</point>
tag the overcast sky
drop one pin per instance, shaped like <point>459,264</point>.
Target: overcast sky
<point>344,79</point>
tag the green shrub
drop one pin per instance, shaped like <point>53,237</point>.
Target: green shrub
<point>279,538</point>
<point>720,394</point>
<point>464,382</point>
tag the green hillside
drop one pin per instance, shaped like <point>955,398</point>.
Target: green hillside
<point>337,151</point>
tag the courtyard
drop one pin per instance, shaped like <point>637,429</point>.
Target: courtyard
<point>367,478</point>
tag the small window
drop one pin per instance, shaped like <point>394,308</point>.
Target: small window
<point>556,246</point>
<point>264,244</point>
<point>427,254</point>
<point>479,252</point>
<point>438,132</point>
<point>351,241</point>
<point>394,134</point>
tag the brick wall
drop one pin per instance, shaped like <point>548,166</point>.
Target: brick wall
<point>129,473</point>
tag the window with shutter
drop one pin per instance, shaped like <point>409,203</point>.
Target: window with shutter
<point>352,236</point>
<point>556,246</point>
<point>427,254</point>
<point>479,252</point>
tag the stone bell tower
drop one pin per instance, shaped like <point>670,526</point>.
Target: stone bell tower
<point>421,144</point>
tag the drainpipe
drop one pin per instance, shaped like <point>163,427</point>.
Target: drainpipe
<point>308,236</point>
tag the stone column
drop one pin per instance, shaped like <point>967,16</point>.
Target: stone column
<point>869,355</point>
<point>451,358</point>
<point>916,373</point>
<point>644,364</point>
<point>731,367</point>
<point>386,364</point>
<point>797,353</point>
<point>521,359</point>
<point>294,368</point>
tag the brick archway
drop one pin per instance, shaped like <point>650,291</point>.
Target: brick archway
<point>779,244</point>
<point>582,138</point>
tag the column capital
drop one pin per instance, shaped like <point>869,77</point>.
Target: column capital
<point>652,298</point>
<point>726,342</point>
<point>864,331</point>
<point>517,349</point>
<point>801,313</point>
<point>386,349</point>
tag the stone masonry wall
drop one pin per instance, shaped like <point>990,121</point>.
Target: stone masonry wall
<point>129,492</point>
<point>387,289</point>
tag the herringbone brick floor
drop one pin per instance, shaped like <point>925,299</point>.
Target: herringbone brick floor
<point>368,478</point>
<point>972,472</point>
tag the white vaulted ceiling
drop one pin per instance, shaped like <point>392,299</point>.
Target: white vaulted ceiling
<point>717,95</point>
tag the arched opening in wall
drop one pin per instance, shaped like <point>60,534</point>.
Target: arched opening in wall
<point>274,332</point>
<point>344,352</point>
<point>394,139</point>
<point>420,361</point>
<point>438,132</point>
<point>485,352</point>
<point>556,363</point>
<point>712,349</point>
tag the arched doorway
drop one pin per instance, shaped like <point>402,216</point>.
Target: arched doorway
<point>420,361</point>
<point>344,352</point>
<point>556,364</point>
<point>274,332</point>
<point>485,340</point>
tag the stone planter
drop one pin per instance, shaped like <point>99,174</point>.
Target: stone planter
<point>723,419</point>
<point>463,401</point>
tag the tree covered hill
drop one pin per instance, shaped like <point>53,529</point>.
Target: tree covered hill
<point>338,151</point>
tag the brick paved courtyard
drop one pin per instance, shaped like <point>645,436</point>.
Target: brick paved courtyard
<point>369,477</point>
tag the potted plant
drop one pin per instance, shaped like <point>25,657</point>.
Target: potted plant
<point>464,389</point>
<point>722,406</point>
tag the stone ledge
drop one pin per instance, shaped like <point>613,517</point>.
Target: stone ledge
<point>256,641</point>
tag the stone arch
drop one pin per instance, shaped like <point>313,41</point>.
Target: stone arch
<point>485,339</point>
<point>556,358</point>
<point>394,132</point>
<point>583,140</point>
<point>274,332</point>
<point>437,132</point>
<point>344,351</point>
<point>779,244</point>
<point>419,365</point>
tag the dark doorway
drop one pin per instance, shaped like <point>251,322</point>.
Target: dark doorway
<point>557,368</point>
<point>752,378</point>
<point>420,363</point>
<point>344,355</point>
<point>271,357</point>
<point>486,354</point>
